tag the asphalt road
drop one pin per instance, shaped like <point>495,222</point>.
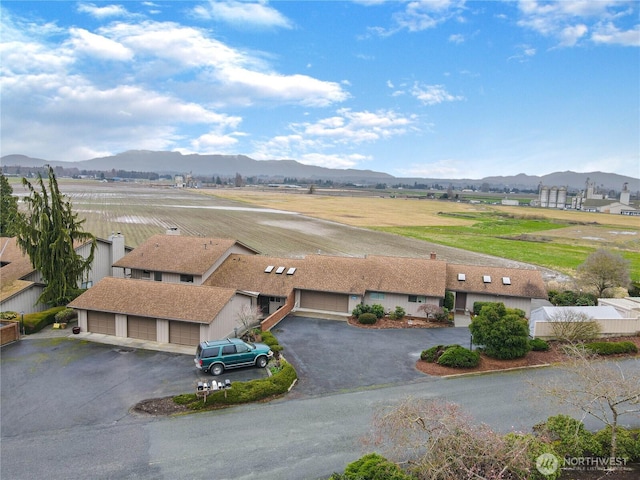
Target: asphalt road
<point>65,414</point>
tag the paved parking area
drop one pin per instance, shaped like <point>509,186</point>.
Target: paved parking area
<point>332,356</point>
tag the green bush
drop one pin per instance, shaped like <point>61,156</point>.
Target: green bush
<point>568,436</point>
<point>477,306</point>
<point>371,467</point>
<point>378,310</point>
<point>449,299</point>
<point>432,354</point>
<point>459,357</point>
<point>367,318</point>
<point>66,315</point>
<point>398,313</point>
<point>611,348</point>
<point>360,309</point>
<point>627,443</point>
<point>538,345</point>
<point>9,315</point>
<point>504,332</point>
<point>34,322</point>
<point>243,392</point>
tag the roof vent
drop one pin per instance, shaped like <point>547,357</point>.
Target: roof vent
<point>291,271</point>
<point>269,269</point>
<point>506,281</point>
<point>280,270</point>
<point>462,277</point>
<point>486,278</point>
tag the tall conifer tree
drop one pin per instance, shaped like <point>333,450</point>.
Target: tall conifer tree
<point>48,233</point>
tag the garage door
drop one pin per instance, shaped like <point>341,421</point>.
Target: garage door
<point>142,327</point>
<point>332,302</point>
<point>184,333</point>
<point>101,322</point>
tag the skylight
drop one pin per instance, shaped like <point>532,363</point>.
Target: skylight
<point>291,271</point>
<point>269,269</point>
<point>506,281</point>
<point>280,270</point>
<point>486,278</point>
<point>462,277</point>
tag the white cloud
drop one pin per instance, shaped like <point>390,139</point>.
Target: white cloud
<point>446,168</point>
<point>609,34</point>
<point>98,46</point>
<point>456,38</point>
<point>419,15</point>
<point>102,12</point>
<point>433,94</point>
<point>333,161</point>
<point>569,21</point>
<point>243,14</point>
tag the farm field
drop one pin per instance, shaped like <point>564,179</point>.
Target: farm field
<point>555,239</point>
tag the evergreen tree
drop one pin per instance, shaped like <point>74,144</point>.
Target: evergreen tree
<point>8,208</point>
<point>48,233</point>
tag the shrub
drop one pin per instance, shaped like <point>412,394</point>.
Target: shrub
<point>8,315</point>
<point>371,467</point>
<point>432,354</point>
<point>503,331</point>
<point>459,357</point>
<point>568,436</point>
<point>611,348</point>
<point>34,322</point>
<point>449,299</point>
<point>367,318</point>
<point>398,313</point>
<point>477,306</point>
<point>627,443</point>
<point>243,392</point>
<point>377,310</point>
<point>360,309</point>
<point>65,316</point>
<point>538,345</point>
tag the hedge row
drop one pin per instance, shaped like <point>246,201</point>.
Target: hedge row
<point>611,348</point>
<point>243,392</point>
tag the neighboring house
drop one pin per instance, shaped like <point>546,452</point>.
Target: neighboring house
<point>610,320</point>
<point>335,284</point>
<point>515,287</point>
<point>170,274</point>
<point>21,285</point>
<point>158,311</point>
<point>179,259</point>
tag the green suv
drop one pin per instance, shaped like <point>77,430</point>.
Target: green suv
<point>217,355</point>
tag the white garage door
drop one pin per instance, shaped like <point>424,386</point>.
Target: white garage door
<point>101,322</point>
<point>142,328</point>
<point>330,302</point>
<point>184,333</point>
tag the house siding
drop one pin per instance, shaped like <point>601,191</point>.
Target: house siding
<point>610,327</point>
<point>226,322</point>
<point>393,300</point>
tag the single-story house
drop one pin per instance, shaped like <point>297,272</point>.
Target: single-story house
<point>159,311</point>
<point>515,287</point>
<point>611,322</point>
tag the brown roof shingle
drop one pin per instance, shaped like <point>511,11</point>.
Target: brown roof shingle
<point>522,282</point>
<point>145,298</point>
<point>177,254</point>
<point>332,274</point>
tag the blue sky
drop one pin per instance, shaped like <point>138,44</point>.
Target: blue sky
<point>438,89</point>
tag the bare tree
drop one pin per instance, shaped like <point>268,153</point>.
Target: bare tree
<point>249,317</point>
<point>602,389</point>
<point>573,326</point>
<point>603,270</point>
<point>436,440</point>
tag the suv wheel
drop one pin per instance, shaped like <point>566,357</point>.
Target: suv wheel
<point>261,362</point>
<point>216,369</point>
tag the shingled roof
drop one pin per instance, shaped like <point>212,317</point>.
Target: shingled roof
<point>353,275</point>
<point>16,264</point>
<point>144,298</point>
<point>510,282</point>
<point>177,254</point>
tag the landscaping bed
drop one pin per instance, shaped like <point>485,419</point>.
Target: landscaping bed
<point>406,322</point>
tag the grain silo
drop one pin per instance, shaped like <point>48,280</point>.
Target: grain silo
<point>544,197</point>
<point>562,197</point>
<point>553,197</point>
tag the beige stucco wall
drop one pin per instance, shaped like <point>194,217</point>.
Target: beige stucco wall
<point>610,327</point>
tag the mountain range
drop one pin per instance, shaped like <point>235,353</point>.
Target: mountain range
<point>163,163</point>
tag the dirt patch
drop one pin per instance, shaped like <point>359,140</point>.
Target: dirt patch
<point>159,406</point>
<point>406,322</point>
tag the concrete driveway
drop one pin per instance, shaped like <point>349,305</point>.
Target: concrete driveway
<point>332,356</point>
